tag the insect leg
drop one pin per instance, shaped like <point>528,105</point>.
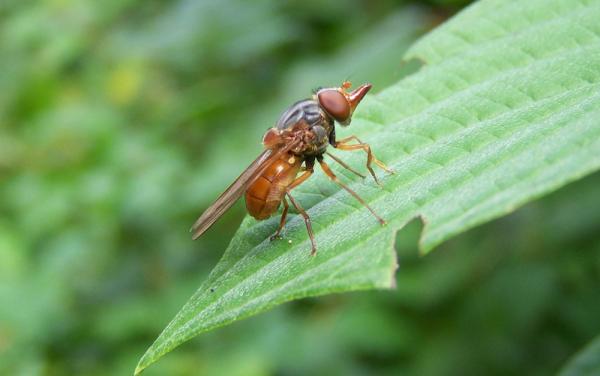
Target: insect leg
<point>301,179</point>
<point>341,144</point>
<point>282,221</point>
<point>344,165</point>
<point>306,221</point>
<point>335,179</point>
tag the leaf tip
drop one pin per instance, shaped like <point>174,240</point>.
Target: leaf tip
<point>143,363</point>
<point>138,369</point>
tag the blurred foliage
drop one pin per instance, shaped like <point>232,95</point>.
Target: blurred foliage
<point>121,120</point>
<point>586,362</point>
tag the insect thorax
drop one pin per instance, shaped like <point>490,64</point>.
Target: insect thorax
<point>309,111</point>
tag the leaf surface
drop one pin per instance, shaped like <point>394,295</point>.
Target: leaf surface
<point>505,109</point>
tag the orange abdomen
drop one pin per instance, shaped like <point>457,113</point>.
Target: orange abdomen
<point>264,196</point>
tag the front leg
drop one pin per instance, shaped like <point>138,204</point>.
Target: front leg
<point>342,145</point>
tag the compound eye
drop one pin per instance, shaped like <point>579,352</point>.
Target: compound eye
<point>335,104</point>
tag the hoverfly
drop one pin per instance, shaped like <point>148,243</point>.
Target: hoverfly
<point>299,138</point>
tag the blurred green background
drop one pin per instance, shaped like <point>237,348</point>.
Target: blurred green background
<point>121,120</point>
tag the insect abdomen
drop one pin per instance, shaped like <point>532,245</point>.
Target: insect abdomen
<point>264,196</point>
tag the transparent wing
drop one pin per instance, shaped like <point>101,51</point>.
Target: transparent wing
<point>237,188</point>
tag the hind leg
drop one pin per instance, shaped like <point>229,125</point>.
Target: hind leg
<point>306,222</point>
<point>277,233</point>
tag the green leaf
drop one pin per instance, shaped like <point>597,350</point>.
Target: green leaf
<point>586,362</point>
<point>505,109</point>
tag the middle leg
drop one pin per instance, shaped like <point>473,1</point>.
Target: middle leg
<point>344,164</point>
<point>335,179</point>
